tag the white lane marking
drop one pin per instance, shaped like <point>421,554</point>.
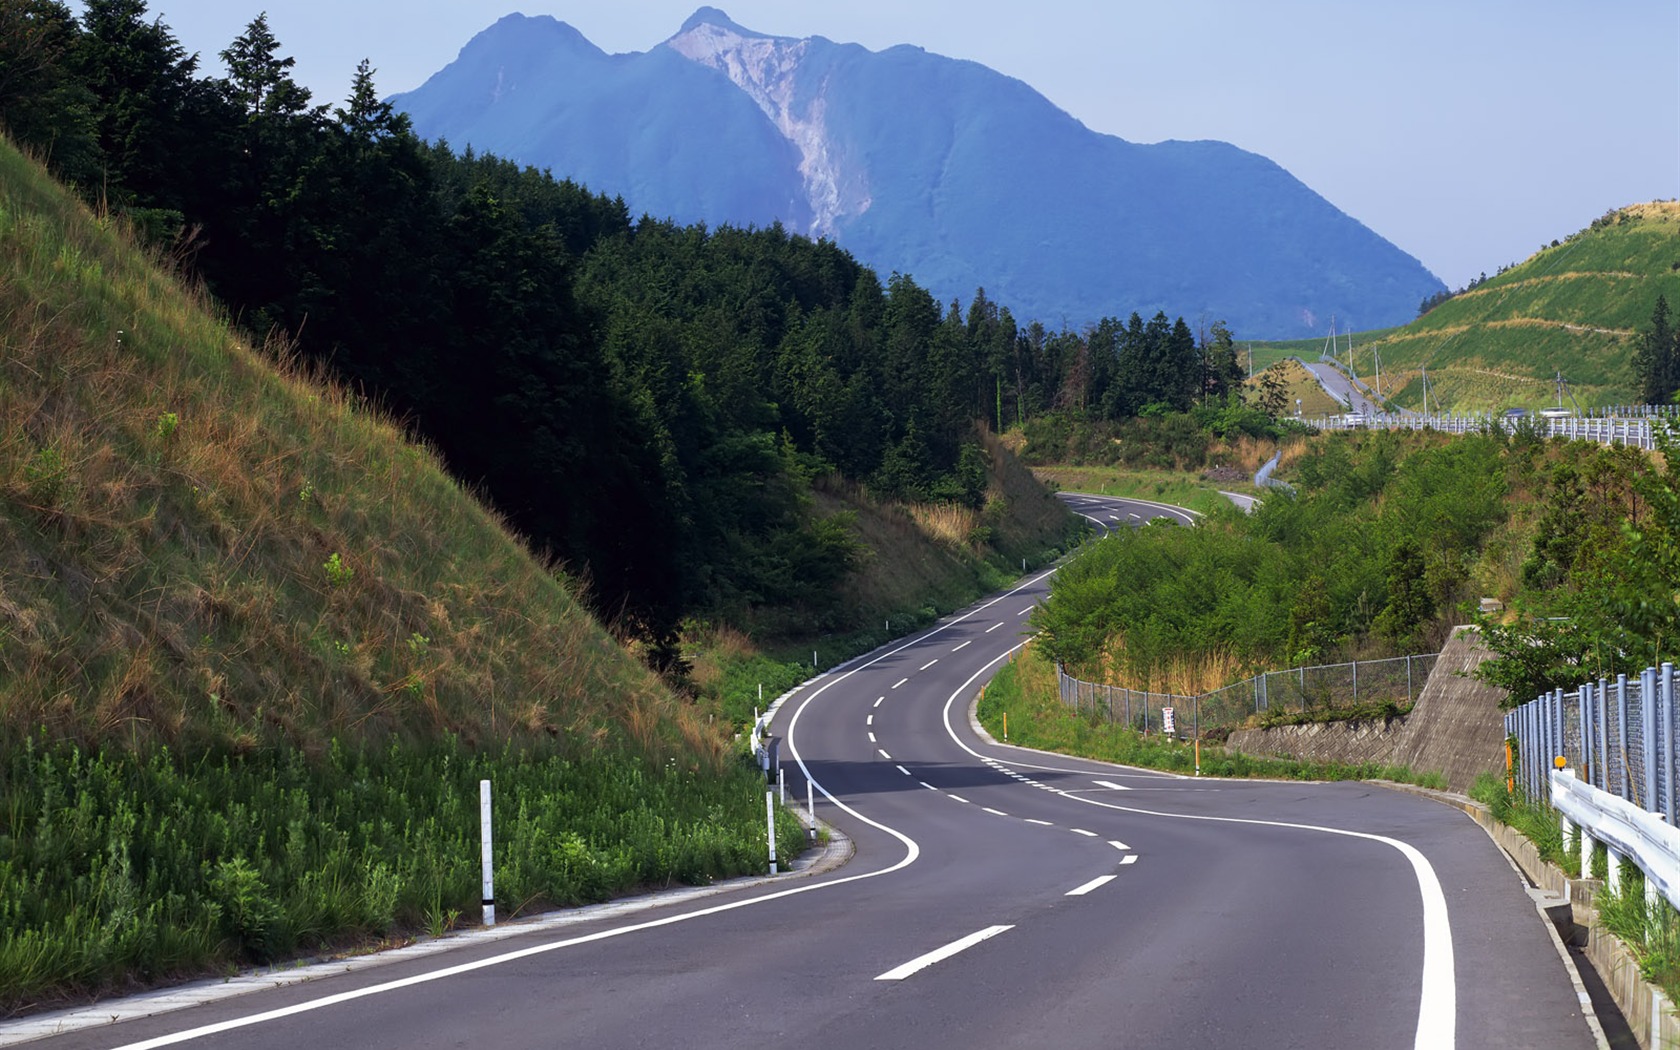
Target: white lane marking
<point>883,754</point>
<point>964,645</point>
<point>994,812</point>
<point>871,721</point>
<point>1034,820</point>
<point>1437,1025</point>
<point>922,962</point>
<point>877,702</point>
<point>925,784</point>
<point>1130,858</point>
<point>1111,784</point>
<point>871,738</point>
<point>929,664</point>
<point>1027,610</point>
<point>1115,519</point>
<point>994,627</point>
<point>959,798</point>
<point>901,769</point>
<point>900,682</point>
<point>1080,891</point>
<point>1082,831</point>
<point>912,851</point>
<point>1117,844</point>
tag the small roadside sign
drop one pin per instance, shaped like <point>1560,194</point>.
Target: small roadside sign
<point>1167,726</point>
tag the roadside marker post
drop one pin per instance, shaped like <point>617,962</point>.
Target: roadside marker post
<point>770,820</point>
<point>489,896</point>
<point>811,809</point>
<point>781,784</point>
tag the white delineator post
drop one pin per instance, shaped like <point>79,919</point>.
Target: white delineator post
<point>770,819</point>
<point>811,807</point>
<point>484,848</point>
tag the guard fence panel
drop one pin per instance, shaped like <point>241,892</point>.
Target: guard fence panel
<point>1619,735</point>
<point>1303,689</point>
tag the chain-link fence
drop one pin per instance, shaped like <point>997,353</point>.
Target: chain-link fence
<point>1619,736</point>
<point>1325,687</point>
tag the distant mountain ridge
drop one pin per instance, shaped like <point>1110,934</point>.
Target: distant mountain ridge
<point>932,166</point>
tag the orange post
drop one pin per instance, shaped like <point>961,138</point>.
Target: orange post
<point>1510,774</point>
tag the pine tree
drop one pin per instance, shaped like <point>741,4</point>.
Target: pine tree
<point>1657,361</point>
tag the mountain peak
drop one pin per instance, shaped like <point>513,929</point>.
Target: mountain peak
<point>711,16</point>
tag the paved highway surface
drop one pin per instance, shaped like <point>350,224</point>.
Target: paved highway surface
<point>998,898</point>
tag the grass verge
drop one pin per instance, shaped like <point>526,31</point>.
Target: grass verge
<point>1024,693</point>
<point>119,870</point>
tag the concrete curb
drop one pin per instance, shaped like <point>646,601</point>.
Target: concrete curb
<point>838,850</point>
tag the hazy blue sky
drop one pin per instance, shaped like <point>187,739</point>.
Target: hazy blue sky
<point>1468,132</point>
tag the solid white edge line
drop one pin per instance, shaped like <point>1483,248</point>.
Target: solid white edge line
<point>912,852</point>
<point>1437,1026</point>
<point>922,962</point>
<point>1100,880</point>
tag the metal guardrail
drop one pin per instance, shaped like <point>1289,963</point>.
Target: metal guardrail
<point>1617,742</point>
<point>1632,428</point>
<point>1323,686</point>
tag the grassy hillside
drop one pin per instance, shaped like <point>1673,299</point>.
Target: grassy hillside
<point>1573,307</point>
<point>256,648</point>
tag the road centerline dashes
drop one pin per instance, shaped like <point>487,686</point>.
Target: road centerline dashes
<point>1082,831</point>
<point>884,755</point>
<point>994,627</point>
<point>1099,881</point>
<point>900,682</point>
<point>929,664</point>
<point>964,645</point>
<point>922,962</point>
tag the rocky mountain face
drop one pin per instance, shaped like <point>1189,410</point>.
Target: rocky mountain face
<point>931,166</point>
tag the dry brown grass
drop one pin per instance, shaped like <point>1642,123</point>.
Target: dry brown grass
<point>1184,674</point>
<point>170,497</point>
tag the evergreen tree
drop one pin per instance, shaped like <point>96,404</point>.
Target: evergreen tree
<point>1657,360</point>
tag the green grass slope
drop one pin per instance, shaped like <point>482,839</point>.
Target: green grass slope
<point>1575,307</point>
<point>257,648</point>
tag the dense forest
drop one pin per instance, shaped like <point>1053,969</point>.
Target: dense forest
<point>647,402</point>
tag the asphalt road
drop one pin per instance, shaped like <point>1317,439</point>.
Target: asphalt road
<point>998,898</point>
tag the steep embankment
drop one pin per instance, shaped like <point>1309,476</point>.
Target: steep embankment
<point>257,649</point>
<point>1574,307</point>
<point>202,548</point>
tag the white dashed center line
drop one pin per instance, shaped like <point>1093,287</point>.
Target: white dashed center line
<point>929,664</point>
<point>994,812</point>
<point>1027,610</point>
<point>871,738</point>
<point>1111,785</point>
<point>877,702</point>
<point>993,627</point>
<point>1082,831</point>
<point>1046,823</point>
<point>1130,858</point>
<point>900,682</point>
<point>964,645</point>
<point>922,962</point>
<point>901,769</point>
<point>959,798</point>
<point>1100,880</point>
<point>1117,844</point>
<point>884,755</point>
<point>869,721</point>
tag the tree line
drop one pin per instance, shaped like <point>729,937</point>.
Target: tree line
<point>647,402</point>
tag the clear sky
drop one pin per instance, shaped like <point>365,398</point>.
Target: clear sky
<point>1468,132</point>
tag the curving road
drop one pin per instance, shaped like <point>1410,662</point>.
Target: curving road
<point>998,898</point>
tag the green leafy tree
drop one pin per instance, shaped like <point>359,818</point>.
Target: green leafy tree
<point>1410,603</point>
